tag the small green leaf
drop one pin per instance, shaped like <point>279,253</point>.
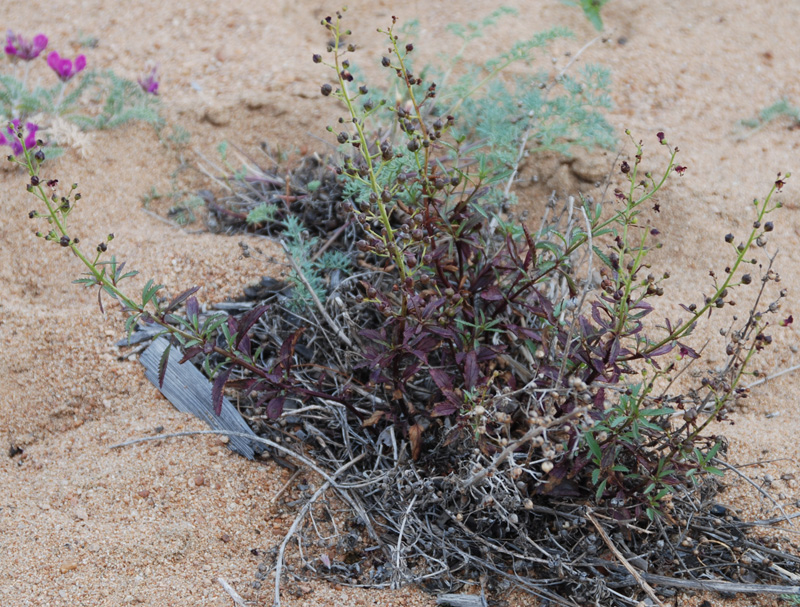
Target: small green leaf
<point>600,490</point>
<point>594,446</point>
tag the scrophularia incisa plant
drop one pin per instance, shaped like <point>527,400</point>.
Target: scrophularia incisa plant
<point>489,394</point>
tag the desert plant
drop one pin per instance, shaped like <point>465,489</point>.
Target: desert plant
<point>473,374</point>
<point>462,299</point>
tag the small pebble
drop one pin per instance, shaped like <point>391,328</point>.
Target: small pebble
<point>81,514</point>
<point>143,493</point>
<point>68,565</point>
<point>225,538</point>
<point>768,478</point>
<point>199,480</point>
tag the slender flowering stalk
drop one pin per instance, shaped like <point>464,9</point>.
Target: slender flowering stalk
<point>27,50</point>
<point>149,81</point>
<point>15,141</point>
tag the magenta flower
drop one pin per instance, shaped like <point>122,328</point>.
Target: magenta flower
<point>63,67</point>
<point>17,46</point>
<point>14,141</point>
<point>149,82</point>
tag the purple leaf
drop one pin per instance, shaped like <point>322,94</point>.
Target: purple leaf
<point>216,390</point>
<point>179,299</point>
<point>441,379</point>
<point>247,321</point>
<point>471,371</point>
<point>287,347</point>
<point>493,293</point>
<point>190,353</point>
<point>443,409</point>
<point>665,349</point>
<point>192,308</point>
<point>162,365</point>
<point>244,345</point>
<point>275,407</point>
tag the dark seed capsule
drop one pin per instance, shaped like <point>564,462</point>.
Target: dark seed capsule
<point>728,237</point>
<point>64,241</point>
<point>625,167</point>
<point>413,145</point>
<point>326,89</point>
<point>747,279</point>
<point>351,48</point>
<point>34,180</point>
<point>102,247</point>
<point>385,62</point>
<point>409,48</point>
<point>316,58</point>
<point>39,155</point>
<point>32,214</point>
<point>342,137</point>
<point>769,226</point>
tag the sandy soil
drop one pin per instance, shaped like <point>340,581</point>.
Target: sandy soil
<point>157,523</point>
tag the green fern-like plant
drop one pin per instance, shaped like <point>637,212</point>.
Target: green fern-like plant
<point>122,101</point>
<point>301,247</point>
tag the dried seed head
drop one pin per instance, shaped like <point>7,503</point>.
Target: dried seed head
<point>326,89</point>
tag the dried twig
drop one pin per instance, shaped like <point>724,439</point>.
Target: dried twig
<point>238,600</point>
<point>333,324</point>
<point>630,568</point>
<point>758,382</point>
<point>298,519</point>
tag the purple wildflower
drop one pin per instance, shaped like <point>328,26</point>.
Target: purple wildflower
<point>17,46</point>
<point>149,82</point>
<point>63,67</point>
<point>14,141</point>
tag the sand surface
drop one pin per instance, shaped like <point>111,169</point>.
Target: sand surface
<point>158,523</point>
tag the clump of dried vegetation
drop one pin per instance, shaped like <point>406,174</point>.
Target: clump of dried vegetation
<point>491,403</point>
